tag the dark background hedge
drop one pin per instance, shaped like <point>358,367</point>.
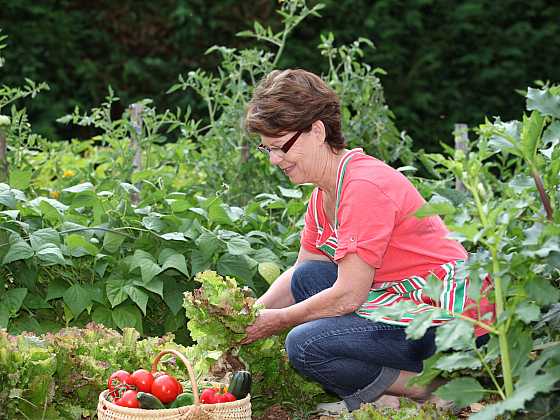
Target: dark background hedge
<point>447,61</point>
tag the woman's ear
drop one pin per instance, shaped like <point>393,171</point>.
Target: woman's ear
<point>318,130</point>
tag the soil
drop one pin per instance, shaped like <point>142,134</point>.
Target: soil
<point>274,412</point>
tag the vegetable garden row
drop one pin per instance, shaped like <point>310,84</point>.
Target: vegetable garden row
<point>159,232</point>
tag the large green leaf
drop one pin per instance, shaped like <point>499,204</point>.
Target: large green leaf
<point>153,223</point>
<point>128,316</point>
<point>44,236</point>
<point>173,294</point>
<point>173,260</point>
<point>269,271</point>
<point>20,179</point>
<point>463,391</point>
<point>525,390</point>
<point>77,298</point>
<point>544,102</point>
<point>103,315</point>
<point>155,285</point>
<point>208,243</point>
<point>528,312</point>
<point>541,291</point>
<point>56,288</point>
<point>146,262</point>
<point>112,242</point>
<point>78,246</point>
<point>51,254</point>
<point>199,262</point>
<point>8,199</point>
<point>138,296</point>
<point>86,186</point>
<point>458,360</point>
<point>531,134</point>
<point>239,246</point>
<point>218,214</point>
<point>50,212</point>
<point>116,292</point>
<point>420,324</point>
<point>457,334</point>
<point>13,299</point>
<point>19,250</point>
<point>239,266</point>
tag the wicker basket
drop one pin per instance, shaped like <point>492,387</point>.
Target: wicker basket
<point>236,410</point>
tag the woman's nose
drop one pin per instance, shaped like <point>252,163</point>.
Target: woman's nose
<point>275,159</point>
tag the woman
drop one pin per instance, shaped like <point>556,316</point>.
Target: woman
<point>361,248</point>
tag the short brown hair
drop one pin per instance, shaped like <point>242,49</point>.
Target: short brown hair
<point>292,100</point>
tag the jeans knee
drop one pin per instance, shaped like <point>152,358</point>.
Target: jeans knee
<point>294,347</point>
<point>310,277</point>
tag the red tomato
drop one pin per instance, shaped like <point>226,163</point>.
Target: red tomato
<point>143,380</point>
<point>165,388</point>
<point>216,396</point>
<point>229,397</point>
<point>207,396</point>
<point>128,399</point>
<point>119,377</point>
<point>179,386</point>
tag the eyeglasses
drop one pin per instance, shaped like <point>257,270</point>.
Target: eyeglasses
<point>285,147</point>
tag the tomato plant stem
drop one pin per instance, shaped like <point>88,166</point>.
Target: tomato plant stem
<point>502,329</point>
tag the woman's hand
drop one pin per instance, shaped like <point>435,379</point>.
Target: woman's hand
<point>268,322</point>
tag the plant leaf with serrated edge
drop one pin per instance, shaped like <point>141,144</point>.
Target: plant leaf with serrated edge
<point>542,291</point>
<point>463,391</point>
<point>420,324</point>
<point>524,391</point>
<point>458,360</point>
<point>457,334</point>
<point>544,102</point>
<point>528,312</point>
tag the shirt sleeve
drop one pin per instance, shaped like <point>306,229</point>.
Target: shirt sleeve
<point>310,233</point>
<point>366,219</point>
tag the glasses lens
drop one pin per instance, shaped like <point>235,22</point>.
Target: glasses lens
<point>263,149</point>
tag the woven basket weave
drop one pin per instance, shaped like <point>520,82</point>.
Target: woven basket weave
<point>236,410</point>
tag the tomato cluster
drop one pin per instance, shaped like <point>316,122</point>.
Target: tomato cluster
<point>124,387</point>
<point>216,396</point>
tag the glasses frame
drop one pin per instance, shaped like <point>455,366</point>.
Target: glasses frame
<point>285,147</point>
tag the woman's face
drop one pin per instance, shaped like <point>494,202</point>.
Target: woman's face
<point>296,161</point>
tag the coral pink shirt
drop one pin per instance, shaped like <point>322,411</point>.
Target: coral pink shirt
<point>375,219</point>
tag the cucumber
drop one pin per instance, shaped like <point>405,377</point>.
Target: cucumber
<point>240,384</point>
<point>148,401</point>
<point>182,400</point>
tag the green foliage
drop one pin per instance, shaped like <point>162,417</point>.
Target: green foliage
<point>408,411</point>
<point>60,376</point>
<point>218,313</point>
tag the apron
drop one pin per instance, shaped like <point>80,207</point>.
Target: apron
<point>453,297</point>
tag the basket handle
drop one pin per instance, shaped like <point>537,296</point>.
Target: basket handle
<point>186,362</point>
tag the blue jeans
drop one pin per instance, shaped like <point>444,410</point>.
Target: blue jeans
<point>353,357</point>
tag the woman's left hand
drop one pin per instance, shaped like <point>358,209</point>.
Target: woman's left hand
<point>268,322</point>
